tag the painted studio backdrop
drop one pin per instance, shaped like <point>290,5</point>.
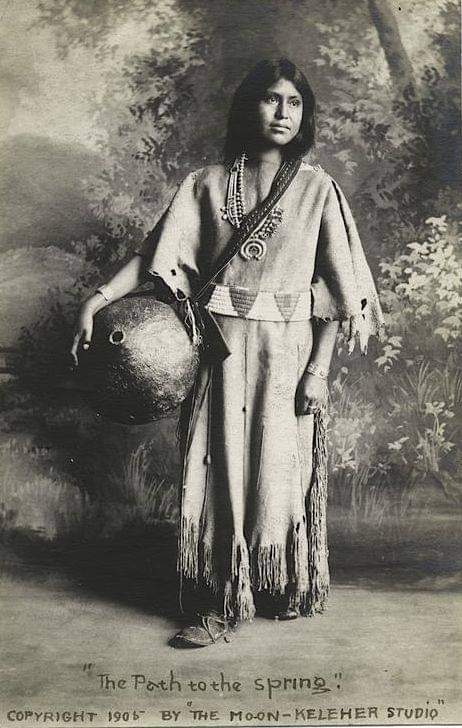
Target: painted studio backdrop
<point>105,107</point>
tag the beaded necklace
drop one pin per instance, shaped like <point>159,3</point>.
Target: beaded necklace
<point>234,212</point>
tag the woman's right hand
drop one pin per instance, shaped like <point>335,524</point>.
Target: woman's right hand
<point>83,332</point>
<point>129,277</point>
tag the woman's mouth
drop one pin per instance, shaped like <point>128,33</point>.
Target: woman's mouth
<point>279,127</point>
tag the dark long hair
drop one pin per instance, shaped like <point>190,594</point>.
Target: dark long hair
<point>242,132</point>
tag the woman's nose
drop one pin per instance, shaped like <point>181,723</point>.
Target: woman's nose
<point>282,110</point>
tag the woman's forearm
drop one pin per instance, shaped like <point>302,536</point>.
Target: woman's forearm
<point>324,336</point>
<point>129,277</point>
<point>312,392</point>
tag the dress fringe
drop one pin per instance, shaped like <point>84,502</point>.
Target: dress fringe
<point>238,597</point>
<point>318,566</point>
<point>209,571</point>
<point>269,568</point>
<point>188,550</point>
<point>301,566</point>
<point>195,559</point>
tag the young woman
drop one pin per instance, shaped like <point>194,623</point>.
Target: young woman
<point>253,505</point>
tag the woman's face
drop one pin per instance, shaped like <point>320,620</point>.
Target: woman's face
<point>279,113</point>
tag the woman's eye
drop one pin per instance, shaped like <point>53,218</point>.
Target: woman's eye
<point>295,102</point>
<point>270,99</point>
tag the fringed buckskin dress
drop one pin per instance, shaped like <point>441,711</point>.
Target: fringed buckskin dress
<point>254,481</point>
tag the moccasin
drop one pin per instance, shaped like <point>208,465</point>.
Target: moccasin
<point>209,629</point>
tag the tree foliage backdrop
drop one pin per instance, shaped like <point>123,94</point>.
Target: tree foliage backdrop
<point>386,75</point>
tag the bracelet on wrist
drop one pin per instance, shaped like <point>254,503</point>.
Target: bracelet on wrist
<point>106,292</point>
<point>317,370</point>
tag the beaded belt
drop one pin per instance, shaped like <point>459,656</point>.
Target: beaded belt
<point>260,305</point>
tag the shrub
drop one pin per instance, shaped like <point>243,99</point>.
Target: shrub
<point>410,438</point>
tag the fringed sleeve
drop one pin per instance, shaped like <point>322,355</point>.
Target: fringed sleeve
<point>170,250</point>
<point>342,287</point>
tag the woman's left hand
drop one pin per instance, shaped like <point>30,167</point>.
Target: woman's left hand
<point>311,394</point>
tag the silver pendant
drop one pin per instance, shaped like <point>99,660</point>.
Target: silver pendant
<point>253,249</point>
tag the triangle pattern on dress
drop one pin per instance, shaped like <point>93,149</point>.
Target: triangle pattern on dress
<point>286,303</point>
<point>242,300</point>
